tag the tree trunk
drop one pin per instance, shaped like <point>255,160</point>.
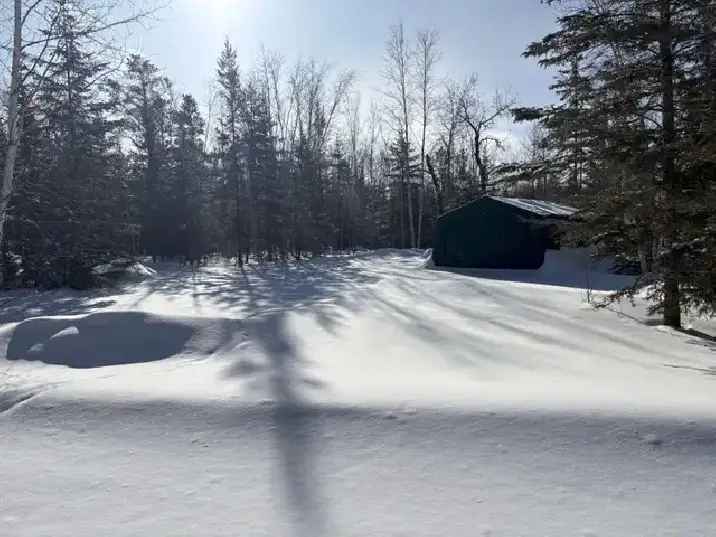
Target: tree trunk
<point>401,212</point>
<point>411,223</point>
<point>13,123</point>
<point>150,175</point>
<point>439,197</point>
<point>421,199</point>
<point>482,168</point>
<point>237,211</point>
<point>251,240</point>
<point>672,298</point>
<point>421,204</point>
<point>406,182</point>
<point>646,250</point>
<point>447,179</point>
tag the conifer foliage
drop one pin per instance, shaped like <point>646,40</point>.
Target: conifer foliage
<point>632,139</point>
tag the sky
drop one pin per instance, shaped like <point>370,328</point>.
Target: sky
<point>482,36</point>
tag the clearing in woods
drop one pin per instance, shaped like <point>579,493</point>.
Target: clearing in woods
<point>352,396</point>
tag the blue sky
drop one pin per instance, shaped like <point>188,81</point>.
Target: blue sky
<point>483,36</point>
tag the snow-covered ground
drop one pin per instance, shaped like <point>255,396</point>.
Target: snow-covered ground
<point>364,396</point>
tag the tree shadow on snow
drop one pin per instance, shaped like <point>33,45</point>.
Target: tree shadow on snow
<point>45,303</point>
<point>262,289</point>
<point>574,278</point>
<point>297,425</point>
<point>97,340</point>
<point>700,338</point>
<point>704,370</point>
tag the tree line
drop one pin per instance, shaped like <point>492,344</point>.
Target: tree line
<point>105,158</point>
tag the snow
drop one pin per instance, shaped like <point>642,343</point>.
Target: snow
<point>568,267</point>
<point>540,207</point>
<point>353,396</point>
<point>124,269</point>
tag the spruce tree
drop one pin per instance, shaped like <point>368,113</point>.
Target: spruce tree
<point>624,130</point>
<point>146,104</point>
<point>186,190</point>
<point>71,202</point>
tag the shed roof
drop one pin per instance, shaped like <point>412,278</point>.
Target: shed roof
<point>538,207</point>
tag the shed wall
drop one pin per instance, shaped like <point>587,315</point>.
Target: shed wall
<point>489,234</point>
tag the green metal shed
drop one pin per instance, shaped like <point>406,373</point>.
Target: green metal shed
<point>495,232</point>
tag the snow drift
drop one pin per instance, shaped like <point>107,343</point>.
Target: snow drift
<point>271,400</point>
<point>567,267</point>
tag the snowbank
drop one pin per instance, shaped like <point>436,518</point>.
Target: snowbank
<point>567,267</point>
<point>576,266</point>
<point>123,270</point>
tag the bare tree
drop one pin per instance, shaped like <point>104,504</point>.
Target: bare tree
<point>272,65</point>
<point>448,130</point>
<point>341,90</point>
<point>480,116</point>
<point>13,115</point>
<point>397,75</point>
<point>314,113</point>
<point>536,151</point>
<point>353,125</point>
<point>427,56</point>
<point>373,134</point>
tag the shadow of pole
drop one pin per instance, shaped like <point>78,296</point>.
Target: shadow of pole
<point>296,428</point>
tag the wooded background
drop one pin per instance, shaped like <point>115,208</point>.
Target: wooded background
<point>104,158</point>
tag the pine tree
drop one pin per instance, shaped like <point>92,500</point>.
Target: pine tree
<point>263,188</point>
<point>186,192</point>
<point>71,206</point>
<point>228,133</point>
<point>147,105</point>
<point>628,92</point>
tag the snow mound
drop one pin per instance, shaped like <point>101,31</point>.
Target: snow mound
<point>123,270</point>
<point>404,253</point>
<point>428,261</point>
<point>575,267</point>
<point>141,270</point>
<point>567,267</point>
<point>566,260</point>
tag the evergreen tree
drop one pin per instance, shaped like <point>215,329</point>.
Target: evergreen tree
<point>231,95</point>
<point>186,190</point>
<point>147,106</point>
<point>70,213</point>
<point>624,134</point>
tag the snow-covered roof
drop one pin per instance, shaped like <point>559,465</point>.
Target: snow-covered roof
<point>539,207</point>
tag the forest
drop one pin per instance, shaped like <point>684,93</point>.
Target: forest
<point>105,158</point>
